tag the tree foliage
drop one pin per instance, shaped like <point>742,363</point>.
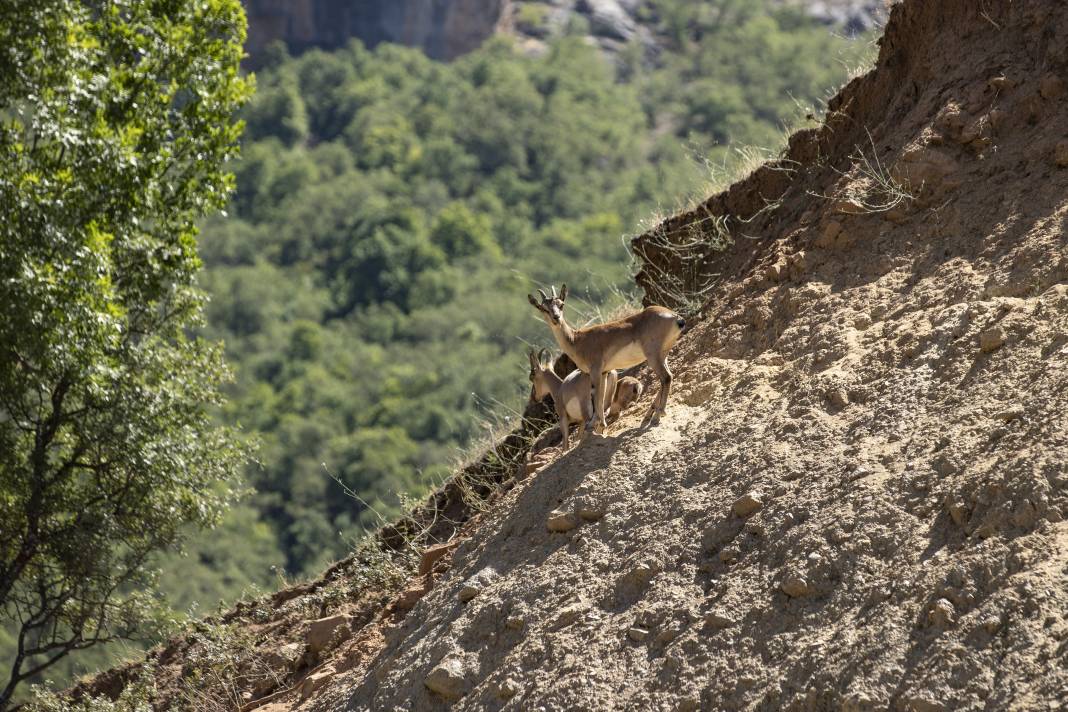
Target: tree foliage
<point>115,121</point>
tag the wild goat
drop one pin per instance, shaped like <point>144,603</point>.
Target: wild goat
<point>597,350</point>
<point>571,395</point>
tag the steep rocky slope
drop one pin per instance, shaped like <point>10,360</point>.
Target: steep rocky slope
<point>857,499</point>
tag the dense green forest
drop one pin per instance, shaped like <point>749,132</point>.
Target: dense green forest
<point>390,214</point>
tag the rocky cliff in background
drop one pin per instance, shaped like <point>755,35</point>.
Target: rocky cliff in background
<point>444,29</point>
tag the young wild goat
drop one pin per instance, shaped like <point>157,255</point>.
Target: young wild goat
<point>571,394</point>
<point>597,350</point>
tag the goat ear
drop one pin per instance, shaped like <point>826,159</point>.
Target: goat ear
<point>532,300</point>
<point>563,292</point>
<point>532,358</point>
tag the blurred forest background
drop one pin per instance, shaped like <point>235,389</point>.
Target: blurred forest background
<point>391,213</point>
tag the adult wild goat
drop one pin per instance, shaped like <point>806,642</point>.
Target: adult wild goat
<point>645,336</point>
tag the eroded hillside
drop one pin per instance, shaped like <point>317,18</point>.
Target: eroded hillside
<point>857,497</point>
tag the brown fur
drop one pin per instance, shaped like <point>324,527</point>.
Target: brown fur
<point>644,336</point>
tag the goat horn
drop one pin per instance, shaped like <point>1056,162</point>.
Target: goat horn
<point>544,296</point>
<point>554,291</point>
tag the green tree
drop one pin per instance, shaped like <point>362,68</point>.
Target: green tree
<point>115,122</point>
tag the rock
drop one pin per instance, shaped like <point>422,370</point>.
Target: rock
<point>449,678</point>
<point>325,632</point>
<point>718,619</point>
<point>285,658</point>
<point>828,236</point>
<point>592,512</point>
<point>642,574</point>
<point>570,614</point>
<point>315,682</point>
<point>434,554</point>
<point>444,29</point>
<point>475,584</point>
<point>950,122</point>
<point>992,339</point>
<point>991,624</point>
<point>608,19</point>
<point>945,467</point>
<point>507,689</point>
<point>942,614</point>
<point>1013,412</point>
<point>838,397</point>
<point>923,168</point>
<point>729,554</point>
<point>561,521</point>
<point>406,599</point>
<point>1001,83</point>
<point>637,634</point>
<point>1060,154</point>
<point>1051,87</point>
<point>957,512</point>
<point>746,504</point>
<point>861,322</point>
<point>795,586</point>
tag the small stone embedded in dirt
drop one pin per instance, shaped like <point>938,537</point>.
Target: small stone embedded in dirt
<point>315,682</point>
<point>991,624</point>
<point>570,614</point>
<point>637,634</point>
<point>717,618</point>
<point>838,397</point>
<point>507,689</point>
<point>992,339</point>
<point>642,574</point>
<point>475,584</point>
<point>1001,83</point>
<point>1060,154</point>
<point>1051,87</point>
<point>325,632</point>
<point>592,512</point>
<point>747,504</point>
<point>449,678</point>
<point>1013,412</point>
<point>286,657</point>
<point>560,521</point>
<point>956,510</point>
<point>795,586</point>
<point>433,554</point>
<point>942,613</point>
